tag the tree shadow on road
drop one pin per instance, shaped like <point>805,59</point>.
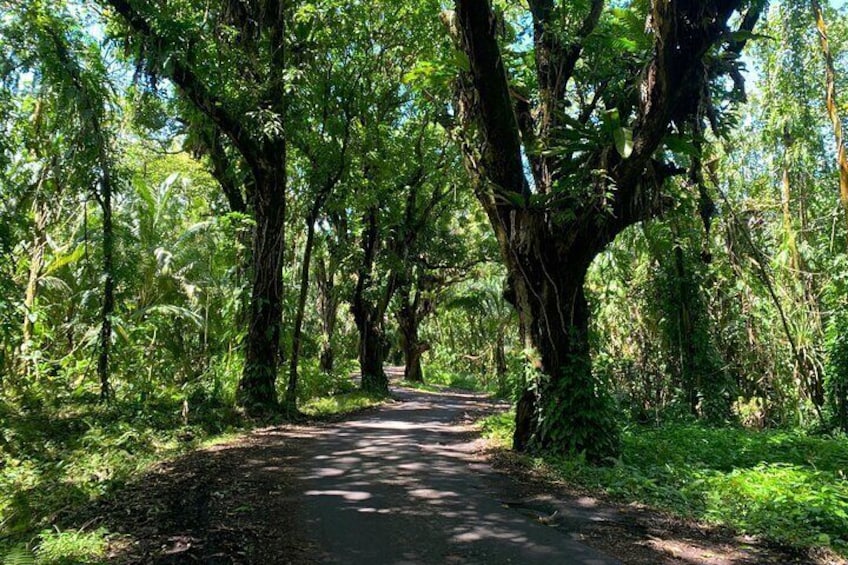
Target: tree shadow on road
<point>409,483</point>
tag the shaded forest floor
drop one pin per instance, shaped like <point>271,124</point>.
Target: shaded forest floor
<point>408,482</point>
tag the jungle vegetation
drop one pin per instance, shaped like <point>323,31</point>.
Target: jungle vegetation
<point>626,217</point>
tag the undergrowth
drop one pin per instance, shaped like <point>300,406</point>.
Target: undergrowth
<point>436,377</point>
<point>58,458</point>
<point>340,404</point>
<point>59,455</point>
<point>785,486</point>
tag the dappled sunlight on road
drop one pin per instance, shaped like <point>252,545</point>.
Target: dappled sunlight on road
<point>411,473</point>
<point>405,484</point>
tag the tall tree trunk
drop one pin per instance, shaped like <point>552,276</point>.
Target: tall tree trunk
<point>337,244</point>
<point>320,197</point>
<point>105,199</point>
<point>548,248</point>
<point>368,318</point>
<point>371,352</point>
<point>328,304</point>
<point>563,409</point>
<point>257,388</point>
<point>409,320</point>
<point>413,349</point>
<point>501,368</point>
<point>291,391</point>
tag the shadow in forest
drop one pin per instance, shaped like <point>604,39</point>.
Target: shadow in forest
<point>405,484</point>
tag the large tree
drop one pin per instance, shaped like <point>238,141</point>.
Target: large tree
<point>202,50</point>
<point>568,150</point>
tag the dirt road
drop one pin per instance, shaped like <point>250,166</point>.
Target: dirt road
<point>402,484</point>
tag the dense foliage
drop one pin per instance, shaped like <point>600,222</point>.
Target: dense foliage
<point>783,485</point>
<point>217,211</point>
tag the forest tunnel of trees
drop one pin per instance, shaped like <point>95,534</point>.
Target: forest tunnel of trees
<point>606,212</point>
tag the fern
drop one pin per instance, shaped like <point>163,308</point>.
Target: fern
<point>19,555</point>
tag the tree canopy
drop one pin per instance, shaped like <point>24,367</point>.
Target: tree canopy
<point>605,212</point>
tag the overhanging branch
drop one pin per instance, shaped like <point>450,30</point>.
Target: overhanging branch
<point>189,83</point>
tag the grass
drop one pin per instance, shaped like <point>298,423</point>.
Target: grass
<point>437,380</point>
<point>340,404</point>
<point>785,486</point>
<point>426,387</point>
<point>54,459</point>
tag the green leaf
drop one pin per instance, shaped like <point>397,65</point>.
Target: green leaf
<point>611,120</point>
<point>515,198</point>
<point>461,60</point>
<point>681,144</point>
<point>745,35</point>
<point>19,556</point>
<point>623,141</point>
<point>62,260</point>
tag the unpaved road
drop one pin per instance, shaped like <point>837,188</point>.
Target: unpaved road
<point>406,485</point>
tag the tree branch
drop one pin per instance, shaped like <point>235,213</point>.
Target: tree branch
<point>190,84</point>
<point>674,80</point>
<point>555,62</point>
<point>501,155</point>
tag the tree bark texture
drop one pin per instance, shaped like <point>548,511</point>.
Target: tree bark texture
<point>328,306</point>
<point>412,311</point>
<point>257,388</point>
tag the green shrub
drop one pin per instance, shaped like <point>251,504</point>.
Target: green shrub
<point>499,427</point>
<point>836,371</point>
<point>315,383</point>
<point>71,547</point>
<point>340,404</point>
<point>786,486</point>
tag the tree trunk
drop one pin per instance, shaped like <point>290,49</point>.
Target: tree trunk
<point>564,411</point>
<point>412,371</point>
<point>368,318</point>
<point>257,388</point>
<point>412,352</point>
<point>326,360</point>
<point>108,308</point>
<point>548,248</point>
<point>291,391</point>
<point>501,368</point>
<point>371,353</point>
<point>412,347</point>
<point>328,305</point>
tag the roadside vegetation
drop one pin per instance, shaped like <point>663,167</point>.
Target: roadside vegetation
<point>62,454</point>
<point>786,486</point>
<point>628,218</point>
